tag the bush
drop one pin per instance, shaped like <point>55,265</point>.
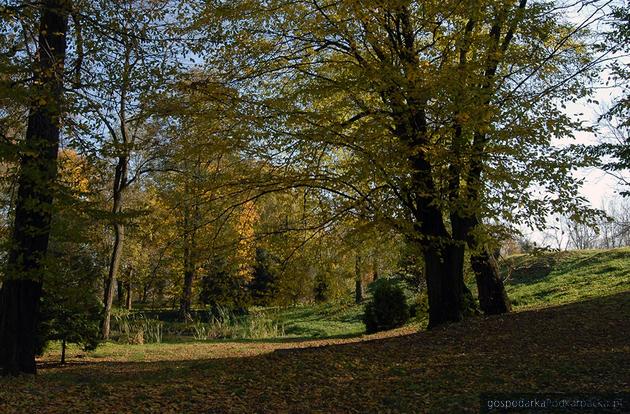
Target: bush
<point>388,308</point>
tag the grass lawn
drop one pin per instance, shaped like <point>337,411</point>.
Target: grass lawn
<point>571,333</point>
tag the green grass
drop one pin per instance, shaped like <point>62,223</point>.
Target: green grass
<point>322,320</point>
<point>548,279</point>
<point>556,278</point>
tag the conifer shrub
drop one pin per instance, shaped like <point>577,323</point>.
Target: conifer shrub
<point>388,308</point>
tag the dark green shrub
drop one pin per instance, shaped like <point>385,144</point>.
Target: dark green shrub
<point>263,287</point>
<point>388,308</point>
<point>222,289</point>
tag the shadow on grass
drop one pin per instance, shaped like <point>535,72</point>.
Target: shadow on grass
<point>578,347</point>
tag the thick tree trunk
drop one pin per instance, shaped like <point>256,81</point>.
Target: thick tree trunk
<point>449,299</point>
<point>493,298</point>
<point>358,281</point>
<point>19,302</point>
<point>22,285</point>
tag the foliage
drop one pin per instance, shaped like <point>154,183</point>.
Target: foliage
<point>70,306</point>
<point>69,313</point>
<point>321,289</point>
<point>388,308</point>
<point>615,150</point>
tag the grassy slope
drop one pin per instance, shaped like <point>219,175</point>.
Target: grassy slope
<point>566,277</point>
<point>549,279</point>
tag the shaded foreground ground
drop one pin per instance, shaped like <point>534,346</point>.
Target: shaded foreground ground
<point>580,347</point>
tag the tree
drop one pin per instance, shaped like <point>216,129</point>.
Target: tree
<point>442,109</point>
<point>22,284</point>
<point>124,60</point>
<point>263,286</point>
<point>617,147</point>
<point>221,288</point>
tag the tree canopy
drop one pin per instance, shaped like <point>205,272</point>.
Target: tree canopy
<point>189,153</point>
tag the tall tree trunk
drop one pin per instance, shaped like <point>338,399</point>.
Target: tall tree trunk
<point>191,221</point>
<point>493,298</point>
<point>358,280</point>
<point>120,182</point>
<point>185,303</point>
<point>22,285</point>
<point>449,298</point>
<point>443,256</point>
<point>114,265</point>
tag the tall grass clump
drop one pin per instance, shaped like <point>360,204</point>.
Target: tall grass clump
<point>133,328</point>
<point>224,324</point>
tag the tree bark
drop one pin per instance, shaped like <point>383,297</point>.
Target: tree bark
<point>63,351</point>
<point>22,286</point>
<point>449,298</point>
<point>493,299</point>
<point>114,265</point>
<point>358,281</point>
<point>120,182</point>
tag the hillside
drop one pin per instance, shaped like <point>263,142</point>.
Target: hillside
<point>547,279</point>
<point>564,277</point>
